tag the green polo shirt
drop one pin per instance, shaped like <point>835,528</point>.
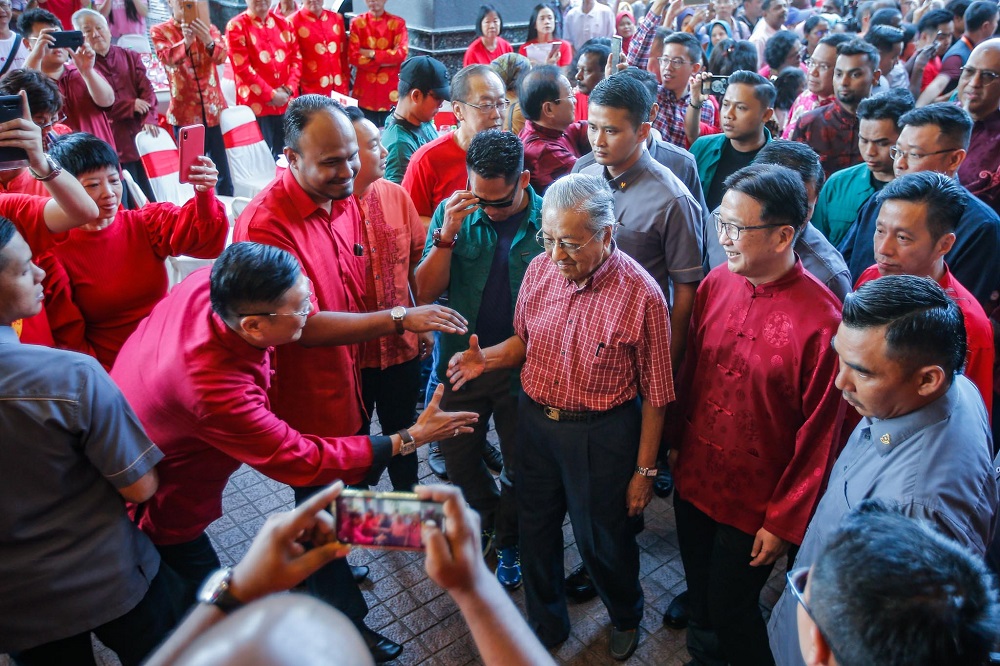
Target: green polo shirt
<point>401,139</point>
<point>840,200</point>
<point>471,259</point>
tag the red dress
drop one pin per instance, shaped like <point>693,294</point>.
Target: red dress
<point>477,54</point>
<point>265,56</point>
<point>322,43</point>
<point>375,86</point>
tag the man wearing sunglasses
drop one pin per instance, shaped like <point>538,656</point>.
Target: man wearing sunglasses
<point>979,93</point>
<point>479,245</point>
<point>923,443</point>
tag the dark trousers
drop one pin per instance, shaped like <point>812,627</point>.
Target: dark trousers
<point>393,394</point>
<point>138,173</point>
<point>215,149</point>
<point>133,636</point>
<point>585,469</point>
<point>272,128</point>
<point>193,561</point>
<point>488,395</point>
<point>334,583</point>
<point>725,623</point>
<point>377,117</point>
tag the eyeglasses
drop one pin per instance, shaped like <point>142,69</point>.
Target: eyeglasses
<point>941,36</point>
<point>488,108</point>
<point>988,77</point>
<point>571,98</point>
<point>502,203</point>
<point>297,313</point>
<point>820,66</point>
<point>797,579</point>
<point>673,63</point>
<point>895,153</point>
<point>733,231</point>
<point>61,118</point>
<point>569,248</point>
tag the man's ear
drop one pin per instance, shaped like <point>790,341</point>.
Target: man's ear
<point>819,652</point>
<point>524,179</point>
<point>292,157</point>
<point>653,111</point>
<point>955,160</point>
<point>644,129</point>
<point>930,380</point>
<point>768,114</point>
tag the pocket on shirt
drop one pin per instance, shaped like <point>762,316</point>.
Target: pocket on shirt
<point>467,251</point>
<point>604,368</point>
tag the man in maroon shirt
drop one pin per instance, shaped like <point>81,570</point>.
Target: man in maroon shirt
<point>309,212</point>
<point>757,426</point>
<point>591,330</point>
<point>979,93</point>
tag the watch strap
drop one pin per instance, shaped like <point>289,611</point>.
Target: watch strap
<point>440,242</point>
<point>408,445</point>
<point>646,471</point>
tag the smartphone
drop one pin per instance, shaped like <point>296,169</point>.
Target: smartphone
<point>694,3</point>
<point>383,520</point>
<point>11,108</point>
<point>192,146</point>
<point>616,53</point>
<point>714,85</point>
<point>66,39</point>
<point>195,9</point>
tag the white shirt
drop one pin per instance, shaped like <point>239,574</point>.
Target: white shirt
<point>20,54</point>
<point>578,27</point>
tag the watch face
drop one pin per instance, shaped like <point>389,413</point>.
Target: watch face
<point>398,312</point>
<point>214,584</point>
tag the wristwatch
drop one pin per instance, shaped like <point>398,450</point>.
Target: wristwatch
<point>54,170</point>
<point>397,314</point>
<point>215,591</point>
<point>646,471</point>
<point>408,446</point>
<point>438,242</point>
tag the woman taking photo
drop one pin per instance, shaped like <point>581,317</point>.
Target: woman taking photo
<point>488,44</point>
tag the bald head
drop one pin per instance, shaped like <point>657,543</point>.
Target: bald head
<point>280,630</point>
<point>979,85</point>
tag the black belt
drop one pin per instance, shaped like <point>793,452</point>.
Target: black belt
<point>566,415</point>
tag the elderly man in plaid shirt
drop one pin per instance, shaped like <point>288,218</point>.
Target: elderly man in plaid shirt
<point>592,332</point>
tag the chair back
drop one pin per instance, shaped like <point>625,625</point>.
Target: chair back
<point>250,161</point>
<point>162,164</point>
<point>137,43</point>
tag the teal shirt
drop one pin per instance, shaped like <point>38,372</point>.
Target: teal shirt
<point>707,151</point>
<point>840,200</point>
<point>401,139</point>
<point>471,259</point>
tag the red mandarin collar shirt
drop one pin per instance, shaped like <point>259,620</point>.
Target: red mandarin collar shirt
<point>322,43</point>
<point>376,83</point>
<point>592,348</point>
<point>316,390</point>
<point>265,56</point>
<point>193,74</point>
<point>759,418</point>
<point>200,391</point>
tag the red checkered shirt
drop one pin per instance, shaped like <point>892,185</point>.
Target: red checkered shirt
<point>669,120</point>
<point>592,348</point>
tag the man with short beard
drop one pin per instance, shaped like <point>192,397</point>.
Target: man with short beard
<point>819,81</point>
<point>979,93</point>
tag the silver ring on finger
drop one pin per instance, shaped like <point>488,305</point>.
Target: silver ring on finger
<point>456,433</point>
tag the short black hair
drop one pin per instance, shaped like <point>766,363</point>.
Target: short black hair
<point>789,84</point>
<point>953,121</point>
<point>957,8</point>
<point>26,22</point>
<point>930,21</point>
<point>778,46</point>
<point>943,197</point>
<point>885,16</point>
<point>533,31</point>
<point>688,41</point>
<point>730,56</point>
<point>80,153</point>
<point>812,22</point>
<point>461,87</point>
<point>43,93</point>
<point>797,156</point>
<point>890,589</point>
<point>496,154</point>
<point>860,47</point>
<point>645,77</point>
<point>598,49</point>
<point>7,231</point>
<point>923,325</point>
<point>891,104</point>
<point>483,11</point>
<point>251,277</point>
<point>624,92</point>
<point>978,14</point>
<point>538,86</point>
<point>300,111</point>
<point>763,89</point>
<point>884,37</point>
<point>354,113</point>
<point>777,189</point>
<point>836,39</point>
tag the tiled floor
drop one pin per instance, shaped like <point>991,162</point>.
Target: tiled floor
<point>410,609</point>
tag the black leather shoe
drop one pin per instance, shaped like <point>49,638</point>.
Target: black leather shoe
<point>493,458</point>
<point>579,587</point>
<point>382,648</point>
<point>359,572</point>
<point>664,484</point>
<point>623,643</point>
<point>436,461</point>
<point>676,616</point>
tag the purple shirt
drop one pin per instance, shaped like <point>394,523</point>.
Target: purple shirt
<point>980,172</point>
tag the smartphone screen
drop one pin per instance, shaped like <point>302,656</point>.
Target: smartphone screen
<point>192,146</point>
<point>383,520</point>
<point>616,53</point>
<point>10,108</point>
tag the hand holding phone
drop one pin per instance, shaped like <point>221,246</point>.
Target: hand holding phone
<point>392,521</point>
<point>66,39</point>
<point>616,52</point>
<point>24,133</point>
<point>192,146</point>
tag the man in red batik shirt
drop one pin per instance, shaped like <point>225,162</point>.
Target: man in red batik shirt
<point>267,66</point>
<point>378,46</point>
<point>756,430</point>
<point>322,42</point>
<point>191,54</point>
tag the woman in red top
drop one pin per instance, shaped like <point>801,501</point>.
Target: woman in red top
<point>114,268</point>
<point>542,29</point>
<point>488,45</point>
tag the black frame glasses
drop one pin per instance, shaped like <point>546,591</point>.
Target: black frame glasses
<point>503,203</point>
<point>733,231</point>
<point>499,105</point>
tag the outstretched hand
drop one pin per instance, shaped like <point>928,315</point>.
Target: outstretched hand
<point>430,318</point>
<point>466,366</point>
<point>433,424</point>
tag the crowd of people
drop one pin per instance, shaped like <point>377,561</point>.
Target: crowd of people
<point>754,266</point>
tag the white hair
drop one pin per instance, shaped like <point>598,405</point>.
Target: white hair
<point>81,14</point>
<point>585,194</point>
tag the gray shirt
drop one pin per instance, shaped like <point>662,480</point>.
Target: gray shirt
<point>70,558</point>
<point>659,222</point>
<point>934,463</point>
